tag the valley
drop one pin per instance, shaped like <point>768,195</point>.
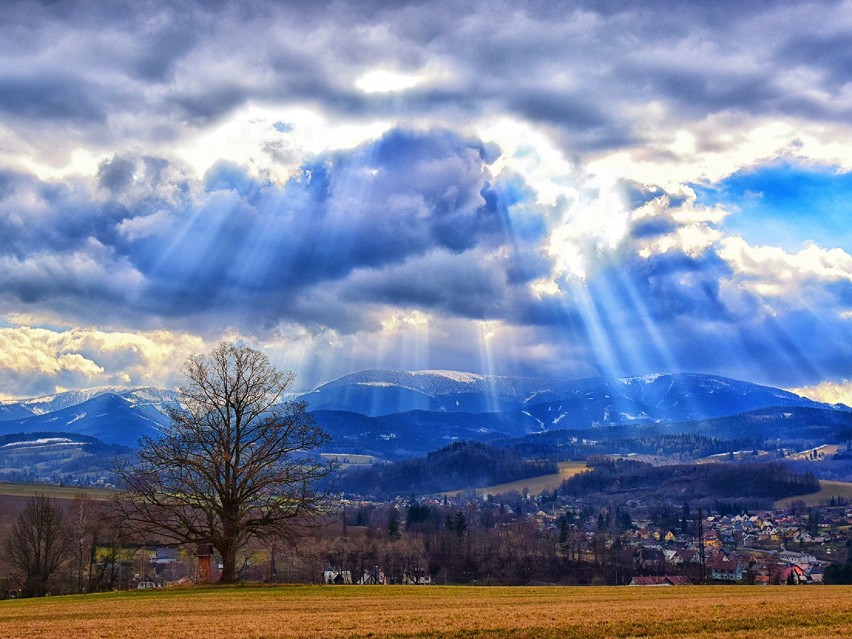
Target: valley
<point>589,481</point>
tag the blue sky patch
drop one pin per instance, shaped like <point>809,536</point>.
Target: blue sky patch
<point>786,205</point>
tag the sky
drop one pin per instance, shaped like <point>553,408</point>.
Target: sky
<point>560,189</point>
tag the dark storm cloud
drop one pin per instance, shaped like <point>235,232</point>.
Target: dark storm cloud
<point>415,219</point>
<point>50,96</point>
<point>116,174</point>
<point>242,237</point>
<point>576,67</point>
<point>468,285</point>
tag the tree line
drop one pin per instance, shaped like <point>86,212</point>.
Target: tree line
<point>456,466</point>
<point>761,482</point>
<point>79,547</point>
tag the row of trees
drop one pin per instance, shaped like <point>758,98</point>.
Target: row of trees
<point>78,548</point>
<point>494,541</point>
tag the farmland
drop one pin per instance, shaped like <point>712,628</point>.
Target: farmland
<point>535,612</point>
<point>828,489</point>
<point>535,485</point>
<point>54,492</point>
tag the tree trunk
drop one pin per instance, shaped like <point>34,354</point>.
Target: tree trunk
<point>229,564</point>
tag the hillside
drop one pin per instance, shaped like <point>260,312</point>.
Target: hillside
<point>396,415</point>
<point>58,457</point>
<point>146,395</point>
<point>754,483</point>
<point>111,418</point>
<point>459,465</point>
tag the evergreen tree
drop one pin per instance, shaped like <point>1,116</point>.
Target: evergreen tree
<point>393,525</point>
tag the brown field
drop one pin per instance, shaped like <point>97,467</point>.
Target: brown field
<point>827,490</point>
<point>54,492</point>
<point>774,612</point>
<point>536,485</point>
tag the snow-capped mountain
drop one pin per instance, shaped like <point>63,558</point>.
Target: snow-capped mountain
<point>383,392</point>
<point>554,403</point>
<point>145,395</point>
<point>113,415</point>
<point>398,413</point>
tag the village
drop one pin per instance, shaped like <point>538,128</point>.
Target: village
<point>480,540</point>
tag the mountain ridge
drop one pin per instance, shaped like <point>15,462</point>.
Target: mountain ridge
<point>399,413</point>
<point>377,392</point>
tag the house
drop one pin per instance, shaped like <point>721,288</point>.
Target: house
<point>726,571</point>
<point>416,578</point>
<point>673,557</point>
<point>689,556</point>
<point>147,583</point>
<point>816,574</point>
<point>789,556</point>
<point>651,558</point>
<point>665,580</point>
<point>372,577</point>
<point>336,576</point>
<point>791,575</point>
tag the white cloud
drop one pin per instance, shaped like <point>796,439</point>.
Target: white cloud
<point>720,144</point>
<point>828,391</point>
<point>384,81</point>
<point>772,271</point>
<point>36,361</point>
<point>249,137</point>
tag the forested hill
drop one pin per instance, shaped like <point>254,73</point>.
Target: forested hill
<point>459,465</point>
<point>753,482</point>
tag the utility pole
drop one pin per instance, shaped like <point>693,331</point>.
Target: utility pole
<point>273,571</point>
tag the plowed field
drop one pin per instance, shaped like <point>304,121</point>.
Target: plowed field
<point>382,611</point>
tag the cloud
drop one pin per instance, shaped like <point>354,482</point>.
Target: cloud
<point>589,71</point>
<point>38,361</point>
<point>418,222</point>
<point>588,184</point>
<point>146,238</point>
<point>839,392</point>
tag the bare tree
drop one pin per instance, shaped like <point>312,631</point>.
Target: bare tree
<point>97,537</point>
<point>39,543</point>
<point>235,463</point>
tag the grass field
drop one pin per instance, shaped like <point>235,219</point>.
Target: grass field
<point>536,485</point>
<point>440,612</point>
<point>824,451</point>
<point>827,490</point>
<point>55,492</point>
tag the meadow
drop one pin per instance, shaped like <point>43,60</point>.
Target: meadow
<point>827,490</point>
<point>535,485</point>
<point>440,612</point>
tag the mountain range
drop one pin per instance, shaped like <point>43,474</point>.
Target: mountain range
<point>113,415</point>
<point>399,414</point>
